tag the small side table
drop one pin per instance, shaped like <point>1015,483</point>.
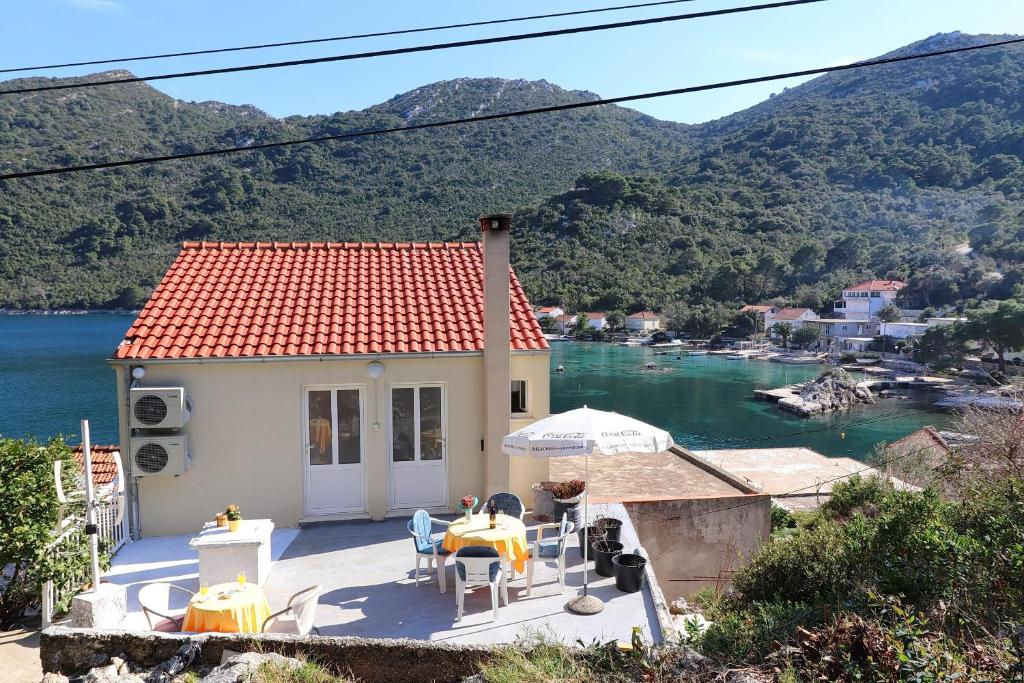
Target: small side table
<point>223,554</point>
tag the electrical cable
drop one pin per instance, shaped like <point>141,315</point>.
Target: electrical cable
<point>410,50</point>
<point>332,39</point>
<point>505,115</point>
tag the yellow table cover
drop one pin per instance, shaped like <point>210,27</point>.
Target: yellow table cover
<point>243,611</point>
<point>509,538</point>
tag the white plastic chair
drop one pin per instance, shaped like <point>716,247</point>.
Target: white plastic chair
<point>479,566</point>
<point>421,526</point>
<point>547,550</point>
<point>155,600</point>
<point>297,617</point>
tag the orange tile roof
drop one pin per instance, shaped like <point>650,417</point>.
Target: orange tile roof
<point>595,316</point>
<point>756,308</point>
<point>104,470</point>
<point>791,313</point>
<point>643,315</point>
<point>246,299</point>
<point>877,286</point>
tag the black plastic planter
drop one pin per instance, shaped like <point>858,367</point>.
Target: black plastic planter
<point>604,551</point>
<point>611,527</point>
<point>629,572</point>
<point>593,536</point>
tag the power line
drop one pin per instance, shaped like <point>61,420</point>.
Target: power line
<point>313,41</point>
<point>413,49</point>
<point>506,115</point>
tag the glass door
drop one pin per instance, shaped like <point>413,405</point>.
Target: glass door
<point>417,445</point>
<point>334,451</point>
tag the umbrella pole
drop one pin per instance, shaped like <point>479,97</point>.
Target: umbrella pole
<point>586,604</point>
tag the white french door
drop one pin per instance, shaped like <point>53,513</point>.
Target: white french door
<point>334,451</point>
<point>417,446</point>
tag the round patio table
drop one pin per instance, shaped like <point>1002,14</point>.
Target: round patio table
<point>228,608</point>
<point>508,538</point>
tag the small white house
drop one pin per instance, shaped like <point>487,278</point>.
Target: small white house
<point>863,301</point>
<point>902,330</point>
<point>596,321</point>
<point>548,312</point>
<point>794,316</point>
<point>320,381</point>
<point>644,321</point>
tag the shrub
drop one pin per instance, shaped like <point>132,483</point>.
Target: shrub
<point>28,516</point>
<point>747,632</point>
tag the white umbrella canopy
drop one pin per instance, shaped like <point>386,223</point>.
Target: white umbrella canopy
<point>585,431</point>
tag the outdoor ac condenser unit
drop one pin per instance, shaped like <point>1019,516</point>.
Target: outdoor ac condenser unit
<point>158,407</point>
<point>153,455</point>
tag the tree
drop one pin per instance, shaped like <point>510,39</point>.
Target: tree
<point>784,329</point>
<point>675,316</point>
<point>941,347</point>
<point>581,324</point>
<point>889,314</point>
<point>28,516</point>
<point>1000,327</point>
<point>805,335</point>
<point>548,324</point>
<point>707,319</point>
<point>616,319</point>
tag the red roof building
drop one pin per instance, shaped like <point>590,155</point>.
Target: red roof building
<point>877,286</point>
<point>790,314</point>
<point>259,299</point>
<point>104,471</point>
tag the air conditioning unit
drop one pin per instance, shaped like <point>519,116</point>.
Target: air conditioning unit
<point>158,407</point>
<point>153,455</point>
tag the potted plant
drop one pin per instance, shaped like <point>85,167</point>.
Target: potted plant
<point>544,501</point>
<point>468,504</point>
<point>568,495</point>
<point>593,535</point>
<point>234,516</point>
<point>610,528</point>
<point>604,551</point>
<point>629,571</point>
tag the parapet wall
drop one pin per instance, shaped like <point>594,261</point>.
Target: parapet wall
<point>74,651</point>
<point>694,543</point>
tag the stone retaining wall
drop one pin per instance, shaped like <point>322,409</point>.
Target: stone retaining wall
<point>73,651</point>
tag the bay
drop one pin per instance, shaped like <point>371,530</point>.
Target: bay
<point>707,402</point>
<point>53,373</point>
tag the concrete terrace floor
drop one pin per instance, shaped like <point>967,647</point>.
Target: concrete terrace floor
<point>366,569</point>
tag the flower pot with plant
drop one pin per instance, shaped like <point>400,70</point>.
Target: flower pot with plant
<point>567,498</point>
<point>468,504</point>
<point>234,516</point>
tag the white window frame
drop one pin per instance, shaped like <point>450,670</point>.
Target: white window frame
<point>525,394</point>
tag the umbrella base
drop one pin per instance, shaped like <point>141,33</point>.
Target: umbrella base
<point>585,604</point>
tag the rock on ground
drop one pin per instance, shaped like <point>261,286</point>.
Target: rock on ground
<point>239,669</point>
<point>835,389</point>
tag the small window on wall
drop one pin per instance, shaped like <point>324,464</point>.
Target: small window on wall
<point>519,396</point>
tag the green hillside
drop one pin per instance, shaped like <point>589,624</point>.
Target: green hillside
<point>887,171</point>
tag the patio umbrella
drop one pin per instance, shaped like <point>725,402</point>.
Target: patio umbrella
<point>586,432</point>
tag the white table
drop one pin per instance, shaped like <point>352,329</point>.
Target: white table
<point>223,554</point>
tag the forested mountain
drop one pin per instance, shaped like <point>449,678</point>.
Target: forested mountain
<point>886,171</point>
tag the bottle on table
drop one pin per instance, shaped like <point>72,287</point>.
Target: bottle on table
<point>493,510</point>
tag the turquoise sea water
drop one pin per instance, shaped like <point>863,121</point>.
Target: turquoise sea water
<point>707,401</point>
<point>53,373</point>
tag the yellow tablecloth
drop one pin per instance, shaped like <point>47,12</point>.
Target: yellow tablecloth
<point>509,538</point>
<point>241,612</point>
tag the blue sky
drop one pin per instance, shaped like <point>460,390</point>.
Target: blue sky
<point>609,63</point>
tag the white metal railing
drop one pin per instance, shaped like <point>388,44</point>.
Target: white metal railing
<point>112,533</point>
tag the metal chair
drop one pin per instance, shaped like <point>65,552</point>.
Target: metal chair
<point>509,503</point>
<point>421,526</point>
<point>479,566</point>
<point>547,550</point>
<point>155,600</point>
<point>297,617</point>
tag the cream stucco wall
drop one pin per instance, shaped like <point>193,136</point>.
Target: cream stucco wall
<point>246,433</point>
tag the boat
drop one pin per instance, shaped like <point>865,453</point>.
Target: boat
<point>631,342</point>
<point>649,366</point>
<point>696,353</point>
<point>560,369</point>
<point>737,356</point>
<point>866,361</point>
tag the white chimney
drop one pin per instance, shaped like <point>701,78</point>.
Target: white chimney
<point>497,357</point>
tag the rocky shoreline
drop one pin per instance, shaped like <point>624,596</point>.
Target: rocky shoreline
<point>835,389</point>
